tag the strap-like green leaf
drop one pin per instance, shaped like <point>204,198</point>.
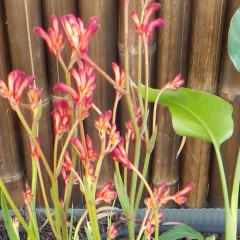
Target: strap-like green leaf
<point>123,198</point>
<point>197,114</point>
<point>181,231</point>
<point>13,235</point>
<point>234,40</point>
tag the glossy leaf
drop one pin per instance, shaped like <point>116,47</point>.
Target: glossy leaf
<point>234,40</point>
<point>197,114</point>
<point>181,231</point>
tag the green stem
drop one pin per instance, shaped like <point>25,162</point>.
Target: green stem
<point>139,83</point>
<point>104,74</point>
<point>67,195</point>
<point>61,159</point>
<point>33,220</point>
<point>143,224</point>
<point>67,75</point>
<point>93,217</point>
<point>228,221</point>
<point>146,68</point>
<point>47,208</point>
<point>141,185</point>
<point>117,171</point>
<point>55,198</point>
<point>34,191</point>
<point>235,195</point>
<point>155,208</point>
<point>55,152</point>
<point>97,171</point>
<point>33,139</point>
<point>75,237</point>
<point>16,211</point>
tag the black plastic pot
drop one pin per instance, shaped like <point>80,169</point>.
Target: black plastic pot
<point>203,220</point>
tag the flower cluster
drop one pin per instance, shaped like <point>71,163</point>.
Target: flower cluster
<point>145,27</point>
<point>162,195</point>
<point>17,83</point>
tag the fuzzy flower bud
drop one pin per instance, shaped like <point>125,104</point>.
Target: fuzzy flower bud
<point>53,37</point>
<point>176,83</point>
<point>106,193</point>
<point>61,116</point>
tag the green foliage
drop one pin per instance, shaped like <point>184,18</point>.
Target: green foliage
<point>123,197</point>
<point>88,230</point>
<point>181,231</point>
<point>234,40</point>
<point>12,232</point>
<point>212,237</point>
<point>197,114</point>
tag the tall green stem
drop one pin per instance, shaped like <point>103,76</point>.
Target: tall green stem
<point>141,185</point>
<point>104,74</point>
<point>235,195</point>
<point>60,160</point>
<point>47,207</point>
<point>32,137</point>
<point>16,211</point>
<point>229,222</point>
<point>155,208</point>
<point>97,171</point>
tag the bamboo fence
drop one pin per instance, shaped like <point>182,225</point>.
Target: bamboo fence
<point>193,42</point>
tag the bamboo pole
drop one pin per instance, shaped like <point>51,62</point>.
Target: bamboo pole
<point>58,8</point>
<point>204,63</point>
<point>11,169</point>
<point>26,51</point>
<point>103,50</point>
<point>55,72</point>
<point>229,90</point>
<point>134,5</point>
<point>171,59</point>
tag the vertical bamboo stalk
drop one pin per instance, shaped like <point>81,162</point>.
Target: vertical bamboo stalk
<point>229,90</point>
<point>58,8</point>
<point>103,50</point>
<point>204,62</point>
<point>134,5</point>
<point>171,59</point>
<point>55,72</point>
<point>11,169</point>
<point>27,54</point>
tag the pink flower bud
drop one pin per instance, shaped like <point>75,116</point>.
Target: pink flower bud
<point>179,197</point>
<point>17,83</point>
<point>61,116</point>
<point>78,36</point>
<point>119,154</point>
<point>145,28</point>
<point>53,38</point>
<point>176,83</point>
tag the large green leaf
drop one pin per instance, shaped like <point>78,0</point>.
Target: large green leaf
<point>181,231</point>
<point>234,40</point>
<point>197,114</point>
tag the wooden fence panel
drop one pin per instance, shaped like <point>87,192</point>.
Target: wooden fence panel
<point>103,50</point>
<point>11,169</point>
<point>133,40</point>
<point>228,89</point>
<point>54,68</point>
<point>204,62</point>
<point>27,55</point>
<point>171,59</point>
